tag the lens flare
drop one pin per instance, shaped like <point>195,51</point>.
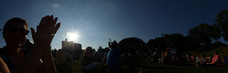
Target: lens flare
<point>72,36</point>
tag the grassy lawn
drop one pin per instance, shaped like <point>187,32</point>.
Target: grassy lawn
<point>149,67</point>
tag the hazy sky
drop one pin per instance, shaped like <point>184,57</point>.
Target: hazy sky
<point>95,21</point>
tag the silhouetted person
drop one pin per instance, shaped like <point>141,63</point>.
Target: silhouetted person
<point>88,60</point>
<point>60,60</point>
<point>14,60</point>
<point>167,56</point>
<point>114,60</point>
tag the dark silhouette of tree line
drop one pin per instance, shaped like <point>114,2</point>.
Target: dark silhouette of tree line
<point>199,38</point>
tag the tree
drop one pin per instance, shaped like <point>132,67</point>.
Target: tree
<point>218,44</point>
<point>204,33</point>
<point>190,44</point>
<point>222,23</point>
<point>174,40</point>
<point>151,44</point>
<point>160,44</point>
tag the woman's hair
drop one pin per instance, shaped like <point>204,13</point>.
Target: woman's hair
<point>12,21</point>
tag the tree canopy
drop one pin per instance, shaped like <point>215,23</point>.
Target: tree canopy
<point>222,22</point>
<point>204,33</point>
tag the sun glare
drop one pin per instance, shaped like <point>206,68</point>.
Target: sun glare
<point>72,36</point>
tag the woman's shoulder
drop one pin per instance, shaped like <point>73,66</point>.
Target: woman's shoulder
<point>6,60</point>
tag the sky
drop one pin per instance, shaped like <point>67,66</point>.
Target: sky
<point>97,21</point>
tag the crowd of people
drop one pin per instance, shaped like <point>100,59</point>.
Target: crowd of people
<point>39,57</point>
<point>187,59</point>
<point>111,58</point>
<point>114,58</point>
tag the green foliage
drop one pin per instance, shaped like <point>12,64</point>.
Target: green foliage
<point>218,44</point>
<point>221,49</point>
<point>156,43</point>
<point>204,33</point>
<point>174,40</point>
<point>191,44</point>
<point>222,23</point>
<point>151,44</point>
<point>199,38</point>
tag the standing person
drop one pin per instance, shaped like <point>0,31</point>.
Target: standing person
<point>162,58</point>
<point>167,56</point>
<point>60,61</point>
<point>114,61</point>
<point>39,58</point>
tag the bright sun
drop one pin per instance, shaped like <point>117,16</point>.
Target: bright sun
<point>72,36</point>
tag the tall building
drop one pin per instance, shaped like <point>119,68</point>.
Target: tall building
<point>75,49</point>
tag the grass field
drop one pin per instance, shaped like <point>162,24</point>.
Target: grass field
<point>148,67</point>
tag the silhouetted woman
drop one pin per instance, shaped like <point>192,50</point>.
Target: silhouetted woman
<point>39,58</point>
